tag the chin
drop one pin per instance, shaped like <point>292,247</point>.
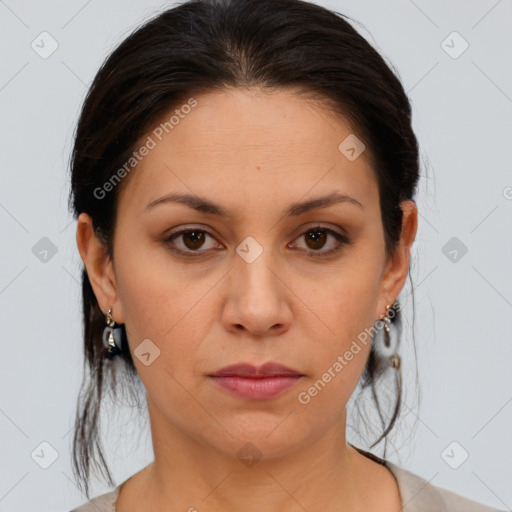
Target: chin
<point>259,440</point>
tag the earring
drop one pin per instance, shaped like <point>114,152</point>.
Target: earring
<point>392,316</point>
<point>111,335</point>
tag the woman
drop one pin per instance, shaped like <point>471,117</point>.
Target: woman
<point>243,179</point>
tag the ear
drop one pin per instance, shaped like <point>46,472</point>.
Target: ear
<point>397,266</point>
<point>99,267</point>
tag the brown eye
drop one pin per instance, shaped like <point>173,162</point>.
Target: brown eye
<point>192,241</point>
<point>318,237</point>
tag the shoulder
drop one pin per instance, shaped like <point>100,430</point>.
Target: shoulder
<point>418,495</point>
<point>103,503</point>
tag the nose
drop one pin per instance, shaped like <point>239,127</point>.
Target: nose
<point>258,300</point>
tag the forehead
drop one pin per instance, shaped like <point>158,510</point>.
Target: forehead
<point>240,142</point>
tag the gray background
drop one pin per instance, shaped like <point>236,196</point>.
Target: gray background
<point>462,105</point>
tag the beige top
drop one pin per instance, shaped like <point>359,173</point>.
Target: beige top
<point>417,495</point>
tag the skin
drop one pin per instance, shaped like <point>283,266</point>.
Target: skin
<point>254,153</point>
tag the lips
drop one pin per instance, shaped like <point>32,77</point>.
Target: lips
<point>256,382</point>
<point>270,369</point>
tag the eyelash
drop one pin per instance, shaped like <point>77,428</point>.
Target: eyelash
<point>341,239</point>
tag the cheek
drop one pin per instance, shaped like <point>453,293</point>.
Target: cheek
<point>161,304</point>
<point>337,361</point>
<point>346,305</point>
<point>345,302</point>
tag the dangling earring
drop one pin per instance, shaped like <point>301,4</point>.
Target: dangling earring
<point>392,316</point>
<point>111,335</point>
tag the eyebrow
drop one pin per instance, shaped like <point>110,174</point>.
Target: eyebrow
<point>204,205</point>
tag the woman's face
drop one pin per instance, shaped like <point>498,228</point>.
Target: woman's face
<point>257,284</point>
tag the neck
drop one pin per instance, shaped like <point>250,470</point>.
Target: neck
<point>188,475</point>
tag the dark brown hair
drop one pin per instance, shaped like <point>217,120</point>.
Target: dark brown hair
<point>206,45</point>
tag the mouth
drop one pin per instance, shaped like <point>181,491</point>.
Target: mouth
<point>256,383</point>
